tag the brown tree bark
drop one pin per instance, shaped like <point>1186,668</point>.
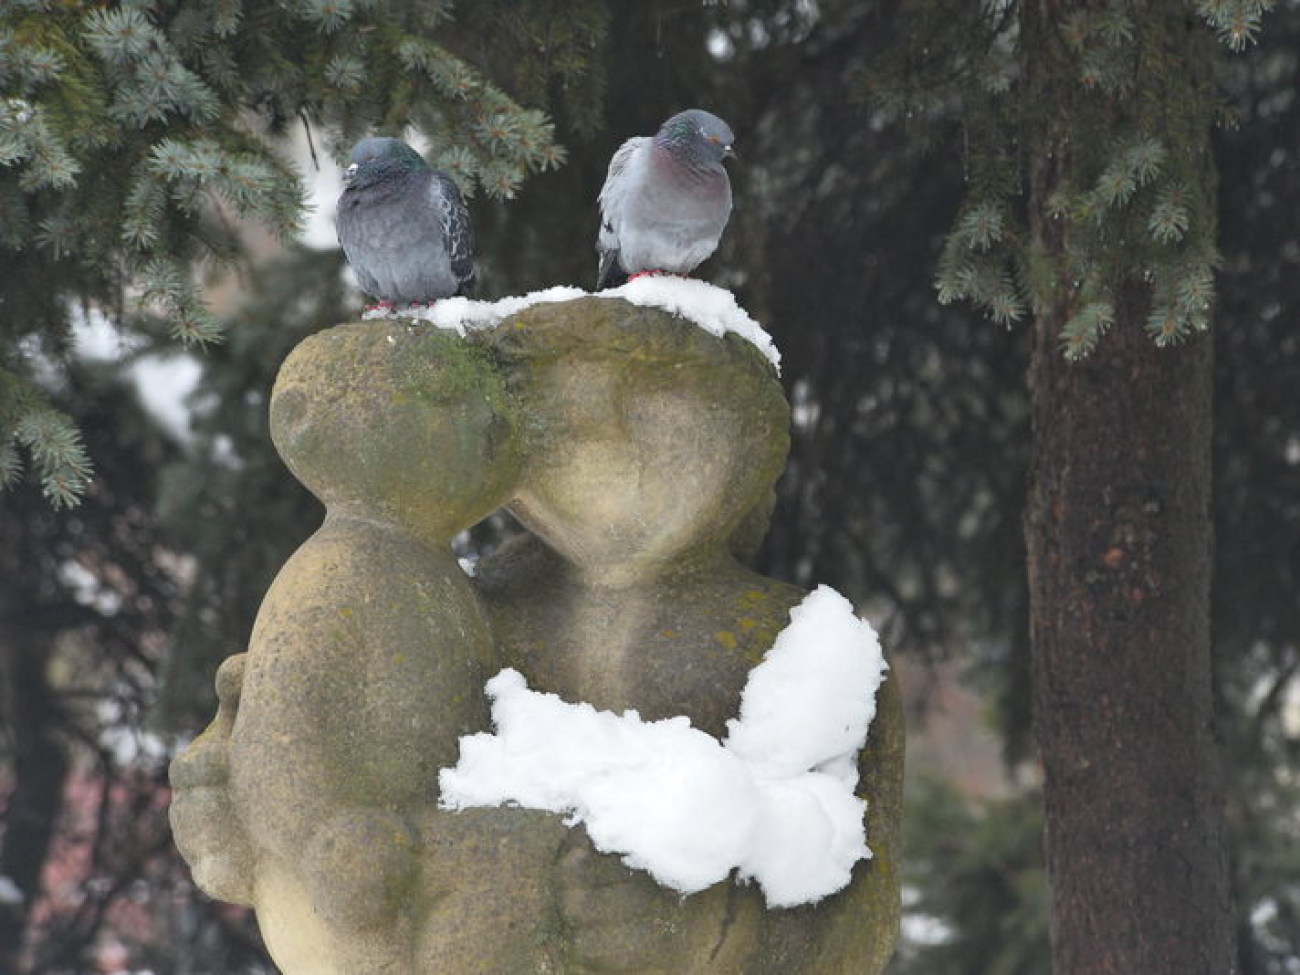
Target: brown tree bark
<point>1119,534</point>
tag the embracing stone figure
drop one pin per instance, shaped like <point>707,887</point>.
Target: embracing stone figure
<point>639,451</point>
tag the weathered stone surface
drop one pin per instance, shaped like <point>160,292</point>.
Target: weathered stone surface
<point>659,442</point>
<point>640,453</point>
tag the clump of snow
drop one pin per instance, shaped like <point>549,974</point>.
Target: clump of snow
<point>9,892</point>
<point>803,706</point>
<point>460,314</point>
<point>465,313</point>
<point>774,802</point>
<point>712,308</point>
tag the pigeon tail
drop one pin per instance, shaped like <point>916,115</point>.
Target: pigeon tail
<point>610,273</point>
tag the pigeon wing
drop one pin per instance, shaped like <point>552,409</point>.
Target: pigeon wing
<point>358,233</point>
<point>613,202</point>
<point>457,231</point>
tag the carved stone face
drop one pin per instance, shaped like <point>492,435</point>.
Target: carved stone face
<point>649,453</point>
<point>408,418</point>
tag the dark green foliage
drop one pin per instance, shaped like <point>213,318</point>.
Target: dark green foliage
<point>975,870</point>
<point>909,445</point>
<point>229,497</point>
<point>1236,21</point>
<point>1135,198</point>
<point>132,133</point>
<point>1257,492</point>
<point>87,600</point>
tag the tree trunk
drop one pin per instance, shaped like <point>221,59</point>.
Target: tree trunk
<point>1119,537</point>
<point>39,769</point>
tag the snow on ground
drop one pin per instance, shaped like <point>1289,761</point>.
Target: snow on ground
<point>774,802</point>
<point>712,308</point>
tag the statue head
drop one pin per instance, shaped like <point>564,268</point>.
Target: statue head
<point>408,422</point>
<point>647,445</point>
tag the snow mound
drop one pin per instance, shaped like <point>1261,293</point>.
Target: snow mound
<point>712,308</point>
<point>774,802</point>
<point>461,314</point>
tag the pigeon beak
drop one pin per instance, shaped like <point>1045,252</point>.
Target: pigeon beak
<point>350,172</point>
<point>729,153</point>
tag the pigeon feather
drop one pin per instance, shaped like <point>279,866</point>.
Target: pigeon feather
<point>666,199</point>
<point>403,226</point>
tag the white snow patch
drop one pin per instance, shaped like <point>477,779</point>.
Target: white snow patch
<point>165,383</point>
<point>95,338</point>
<point>774,802</point>
<point>712,308</point>
<point>164,380</point>
<point>461,315</point>
<point>9,892</point>
<point>88,589</point>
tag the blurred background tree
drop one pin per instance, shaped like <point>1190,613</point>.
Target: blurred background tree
<point>908,471</point>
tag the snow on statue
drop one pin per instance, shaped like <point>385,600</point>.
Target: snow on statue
<point>774,802</point>
<point>712,308</point>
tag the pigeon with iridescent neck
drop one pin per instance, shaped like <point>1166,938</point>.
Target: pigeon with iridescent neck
<point>665,200</point>
<point>403,226</point>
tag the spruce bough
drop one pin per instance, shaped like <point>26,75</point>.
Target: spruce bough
<point>134,137</point>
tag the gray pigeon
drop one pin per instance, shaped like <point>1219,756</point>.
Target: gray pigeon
<point>665,200</point>
<point>403,226</point>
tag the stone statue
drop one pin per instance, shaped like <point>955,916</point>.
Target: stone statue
<point>639,451</point>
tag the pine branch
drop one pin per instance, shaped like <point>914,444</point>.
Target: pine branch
<point>1127,195</point>
<point>1082,332</point>
<point>130,133</point>
<point>1237,22</point>
<point>49,438</point>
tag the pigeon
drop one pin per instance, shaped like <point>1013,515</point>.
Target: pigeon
<point>403,226</point>
<point>665,200</point>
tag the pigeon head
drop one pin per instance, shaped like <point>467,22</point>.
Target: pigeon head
<point>377,158</point>
<point>698,136</point>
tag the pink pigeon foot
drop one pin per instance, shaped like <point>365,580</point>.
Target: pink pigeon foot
<point>656,273</point>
